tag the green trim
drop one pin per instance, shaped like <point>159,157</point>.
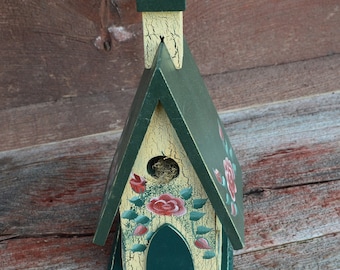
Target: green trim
<point>131,139</point>
<point>186,100</point>
<point>165,239</point>
<point>193,115</point>
<point>160,5</point>
<point>115,262</point>
<point>227,253</point>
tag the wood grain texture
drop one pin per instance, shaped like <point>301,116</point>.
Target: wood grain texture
<point>51,46</point>
<point>47,49</point>
<point>253,87</point>
<point>233,35</point>
<point>295,142</point>
<point>296,213</point>
<point>71,117</point>
<point>316,253</point>
<point>53,252</point>
<point>56,189</point>
<point>275,63</point>
<point>56,85</point>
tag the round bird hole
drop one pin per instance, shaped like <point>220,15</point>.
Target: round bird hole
<point>163,168</point>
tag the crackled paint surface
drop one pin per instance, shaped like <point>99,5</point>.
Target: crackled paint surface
<point>169,26</point>
<point>182,202</point>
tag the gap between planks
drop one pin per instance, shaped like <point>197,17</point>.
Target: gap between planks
<point>279,102</point>
<point>245,251</point>
<point>319,57</point>
<point>259,190</point>
<point>225,115</point>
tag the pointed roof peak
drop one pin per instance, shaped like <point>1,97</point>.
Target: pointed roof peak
<point>183,95</point>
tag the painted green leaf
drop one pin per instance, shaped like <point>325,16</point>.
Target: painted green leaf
<point>149,235</point>
<point>137,201</point>
<point>199,203</point>
<point>130,214</point>
<point>202,230</point>
<point>186,193</point>
<point>194,216</point>
<point>226,148</point>
<point>227,198</point>
<point>142,219</point>
<point>209,254</point>
<point>138,248</point>
<point>231,153</point>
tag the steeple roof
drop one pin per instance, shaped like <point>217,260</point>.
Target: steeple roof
<point>184,96</point>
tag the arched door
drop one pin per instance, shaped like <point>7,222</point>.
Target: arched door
<point>168,251</point>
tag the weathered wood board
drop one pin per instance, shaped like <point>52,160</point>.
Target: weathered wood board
<point>52,70</point>
<point>289,208</point>
<point>51,44</point>
<point>53,252</point>
<point>63,104</point>
<point>316,253</point>
<point>71,117</point>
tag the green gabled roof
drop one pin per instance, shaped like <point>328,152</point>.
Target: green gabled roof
<point>183,95</point>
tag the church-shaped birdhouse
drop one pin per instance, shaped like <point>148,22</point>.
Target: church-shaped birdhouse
<point>174,183</point>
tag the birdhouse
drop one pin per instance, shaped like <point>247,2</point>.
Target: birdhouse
<point>175,182</point>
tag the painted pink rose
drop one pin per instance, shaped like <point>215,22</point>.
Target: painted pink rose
<point>167,205</point>
<point>230,176</point>
<point>202,243</point>
<point>140,230</point>
<point>138,183</point>
<point>218,176</point>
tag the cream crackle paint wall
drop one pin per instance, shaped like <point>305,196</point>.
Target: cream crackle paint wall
<point>148,203</point>
<point>163,25</point>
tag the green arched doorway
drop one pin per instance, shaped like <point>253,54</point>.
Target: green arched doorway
<point>168,251</point>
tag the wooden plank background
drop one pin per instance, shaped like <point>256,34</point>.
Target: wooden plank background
<point>273,71</point>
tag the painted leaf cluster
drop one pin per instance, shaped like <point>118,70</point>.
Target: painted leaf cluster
<point>195,216</point>
<point>181,206</point>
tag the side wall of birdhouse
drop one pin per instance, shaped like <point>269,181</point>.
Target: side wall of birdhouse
<point>164,188</point>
